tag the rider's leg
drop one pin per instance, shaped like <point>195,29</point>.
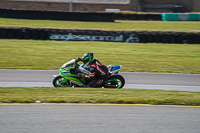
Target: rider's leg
<point>95,83</point>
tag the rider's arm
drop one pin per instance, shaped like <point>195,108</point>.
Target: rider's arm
<point>97,68</point>
<point>93,70</point>
<point>78,59</point>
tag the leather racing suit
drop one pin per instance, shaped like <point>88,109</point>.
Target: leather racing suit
<point>98,73</point>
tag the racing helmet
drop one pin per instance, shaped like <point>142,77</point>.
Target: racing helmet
<point>88,58</point>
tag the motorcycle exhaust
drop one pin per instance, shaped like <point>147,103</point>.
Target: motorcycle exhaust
<point>109,86</point>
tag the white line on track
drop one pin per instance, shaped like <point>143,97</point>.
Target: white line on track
<point>127,86</point>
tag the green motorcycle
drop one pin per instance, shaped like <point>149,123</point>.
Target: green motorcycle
<point>68,76</point>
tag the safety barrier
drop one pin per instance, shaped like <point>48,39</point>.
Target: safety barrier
<point>75,16</point>
<point>100,35</point>
<point>93,16</point>
<point>57,15</point>
<point>180,17</point>
<point>122,16</point>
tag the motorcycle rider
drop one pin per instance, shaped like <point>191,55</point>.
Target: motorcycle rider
<point>98,71</point>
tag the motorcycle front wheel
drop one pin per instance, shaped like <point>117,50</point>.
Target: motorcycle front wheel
<point>59,81</point>
<point>115,81</point>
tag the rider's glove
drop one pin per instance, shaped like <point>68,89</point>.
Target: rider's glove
<point>78,59</point>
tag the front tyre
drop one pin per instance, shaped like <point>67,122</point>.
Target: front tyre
<point>61,82</point>
<point>117,81</point>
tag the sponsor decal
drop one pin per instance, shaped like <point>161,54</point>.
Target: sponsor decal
<point>108,38</point>
<point>133,38</point>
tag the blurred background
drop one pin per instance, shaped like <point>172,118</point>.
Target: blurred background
<point>105,5</point>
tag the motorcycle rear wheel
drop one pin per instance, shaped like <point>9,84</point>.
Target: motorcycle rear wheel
<point>117,81</point>
<point>61,82</point>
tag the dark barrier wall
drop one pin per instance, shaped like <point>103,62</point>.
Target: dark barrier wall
<point>100,35</point>
<point>121,16</point>
<point>75,16</point>
<point>57,15</point>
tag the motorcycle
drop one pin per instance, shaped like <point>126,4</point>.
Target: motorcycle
<point>68,76</point>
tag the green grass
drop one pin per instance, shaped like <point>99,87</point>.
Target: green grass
<point>98,95</point>
<point>137,57</point>
<point>117,25</point>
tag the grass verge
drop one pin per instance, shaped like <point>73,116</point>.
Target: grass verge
<point>117,25</point>
<point>135,57</point>
<point>98,95</point>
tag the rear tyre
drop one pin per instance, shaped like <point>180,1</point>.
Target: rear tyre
<point>61,82</point>
<point>117,81</point>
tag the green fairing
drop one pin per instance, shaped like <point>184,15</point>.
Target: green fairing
<point>65,73</point>
<point>73,77</point>
<point>68,77</point>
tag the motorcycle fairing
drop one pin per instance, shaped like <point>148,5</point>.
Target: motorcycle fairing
<point>84,69</point>
<point>65,72</point>
<point>115,67</point>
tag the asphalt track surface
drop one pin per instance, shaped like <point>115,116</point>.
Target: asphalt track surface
<point>65,118</point>
<point>79,118</point>
<point>134,80</point>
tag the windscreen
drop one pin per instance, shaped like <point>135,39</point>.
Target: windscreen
<point>69,63</point>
